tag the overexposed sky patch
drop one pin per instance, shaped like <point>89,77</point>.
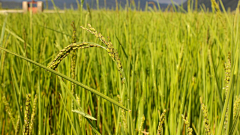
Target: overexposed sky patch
<point>169,1</point>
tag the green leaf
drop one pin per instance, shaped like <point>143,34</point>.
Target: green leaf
<point>3,30</point>
<point>84,114</point>
<point>69,79</point>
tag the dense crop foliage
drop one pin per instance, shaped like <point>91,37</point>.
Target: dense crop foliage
<point>181,73</point>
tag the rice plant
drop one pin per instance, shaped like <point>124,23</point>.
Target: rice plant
<point>58,78</point>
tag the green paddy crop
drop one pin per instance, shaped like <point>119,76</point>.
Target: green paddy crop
<point>128,72</point>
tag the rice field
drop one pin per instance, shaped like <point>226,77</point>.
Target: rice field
<point>128,72</point>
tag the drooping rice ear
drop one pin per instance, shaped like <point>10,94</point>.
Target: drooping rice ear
<point>161,121</point>
<point>66,51</point>
<point>9,111</point>
<point>27,115</point>
<point>33,115</point>
<point>110,49</point>
<point>187,123</point>
<point>206,120</point>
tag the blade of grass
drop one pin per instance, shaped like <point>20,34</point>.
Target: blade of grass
<point>53,30</point>
<point>69,79</point>
<point>212,67</point>
<point>122,47</point>
<point>3,31</point>
<point>226,104</point>
<point>93,128</point>
<point>15,94</point>
<point>16,36</point>
<point>39,107</point>
<point>82,113</point>
<point>74,99</point>
<point>75,132</point>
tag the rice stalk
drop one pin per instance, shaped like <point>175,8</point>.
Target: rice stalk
<point>161,121</point>
<point>124,120</point>
<point>9,111</point>
<point>236,108</point>
<point>141,125</point>
<point>227,81</point>
<point>79,116</point>
<point>3,57</point>
<point>26,115</point>
<point>189,6</point>
<point>17,126</point>
<point>215,6</point>
<point>213,70</point>
<point>227,73</point>
<point>187,123</point>
<point>110,49</point>
<point>72,47</point>
<point>196,5</point>
<point>69,79</point>
<point>25,41</point>
<point>66,51</point>
<point>163,38</point>
<point>33,115</point>
<point>73,62</point>
<point>206,120</point>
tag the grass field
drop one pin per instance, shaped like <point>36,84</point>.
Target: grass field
<point>176,65</point>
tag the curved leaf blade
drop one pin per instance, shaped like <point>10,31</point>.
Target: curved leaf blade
<point>69,79</point>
